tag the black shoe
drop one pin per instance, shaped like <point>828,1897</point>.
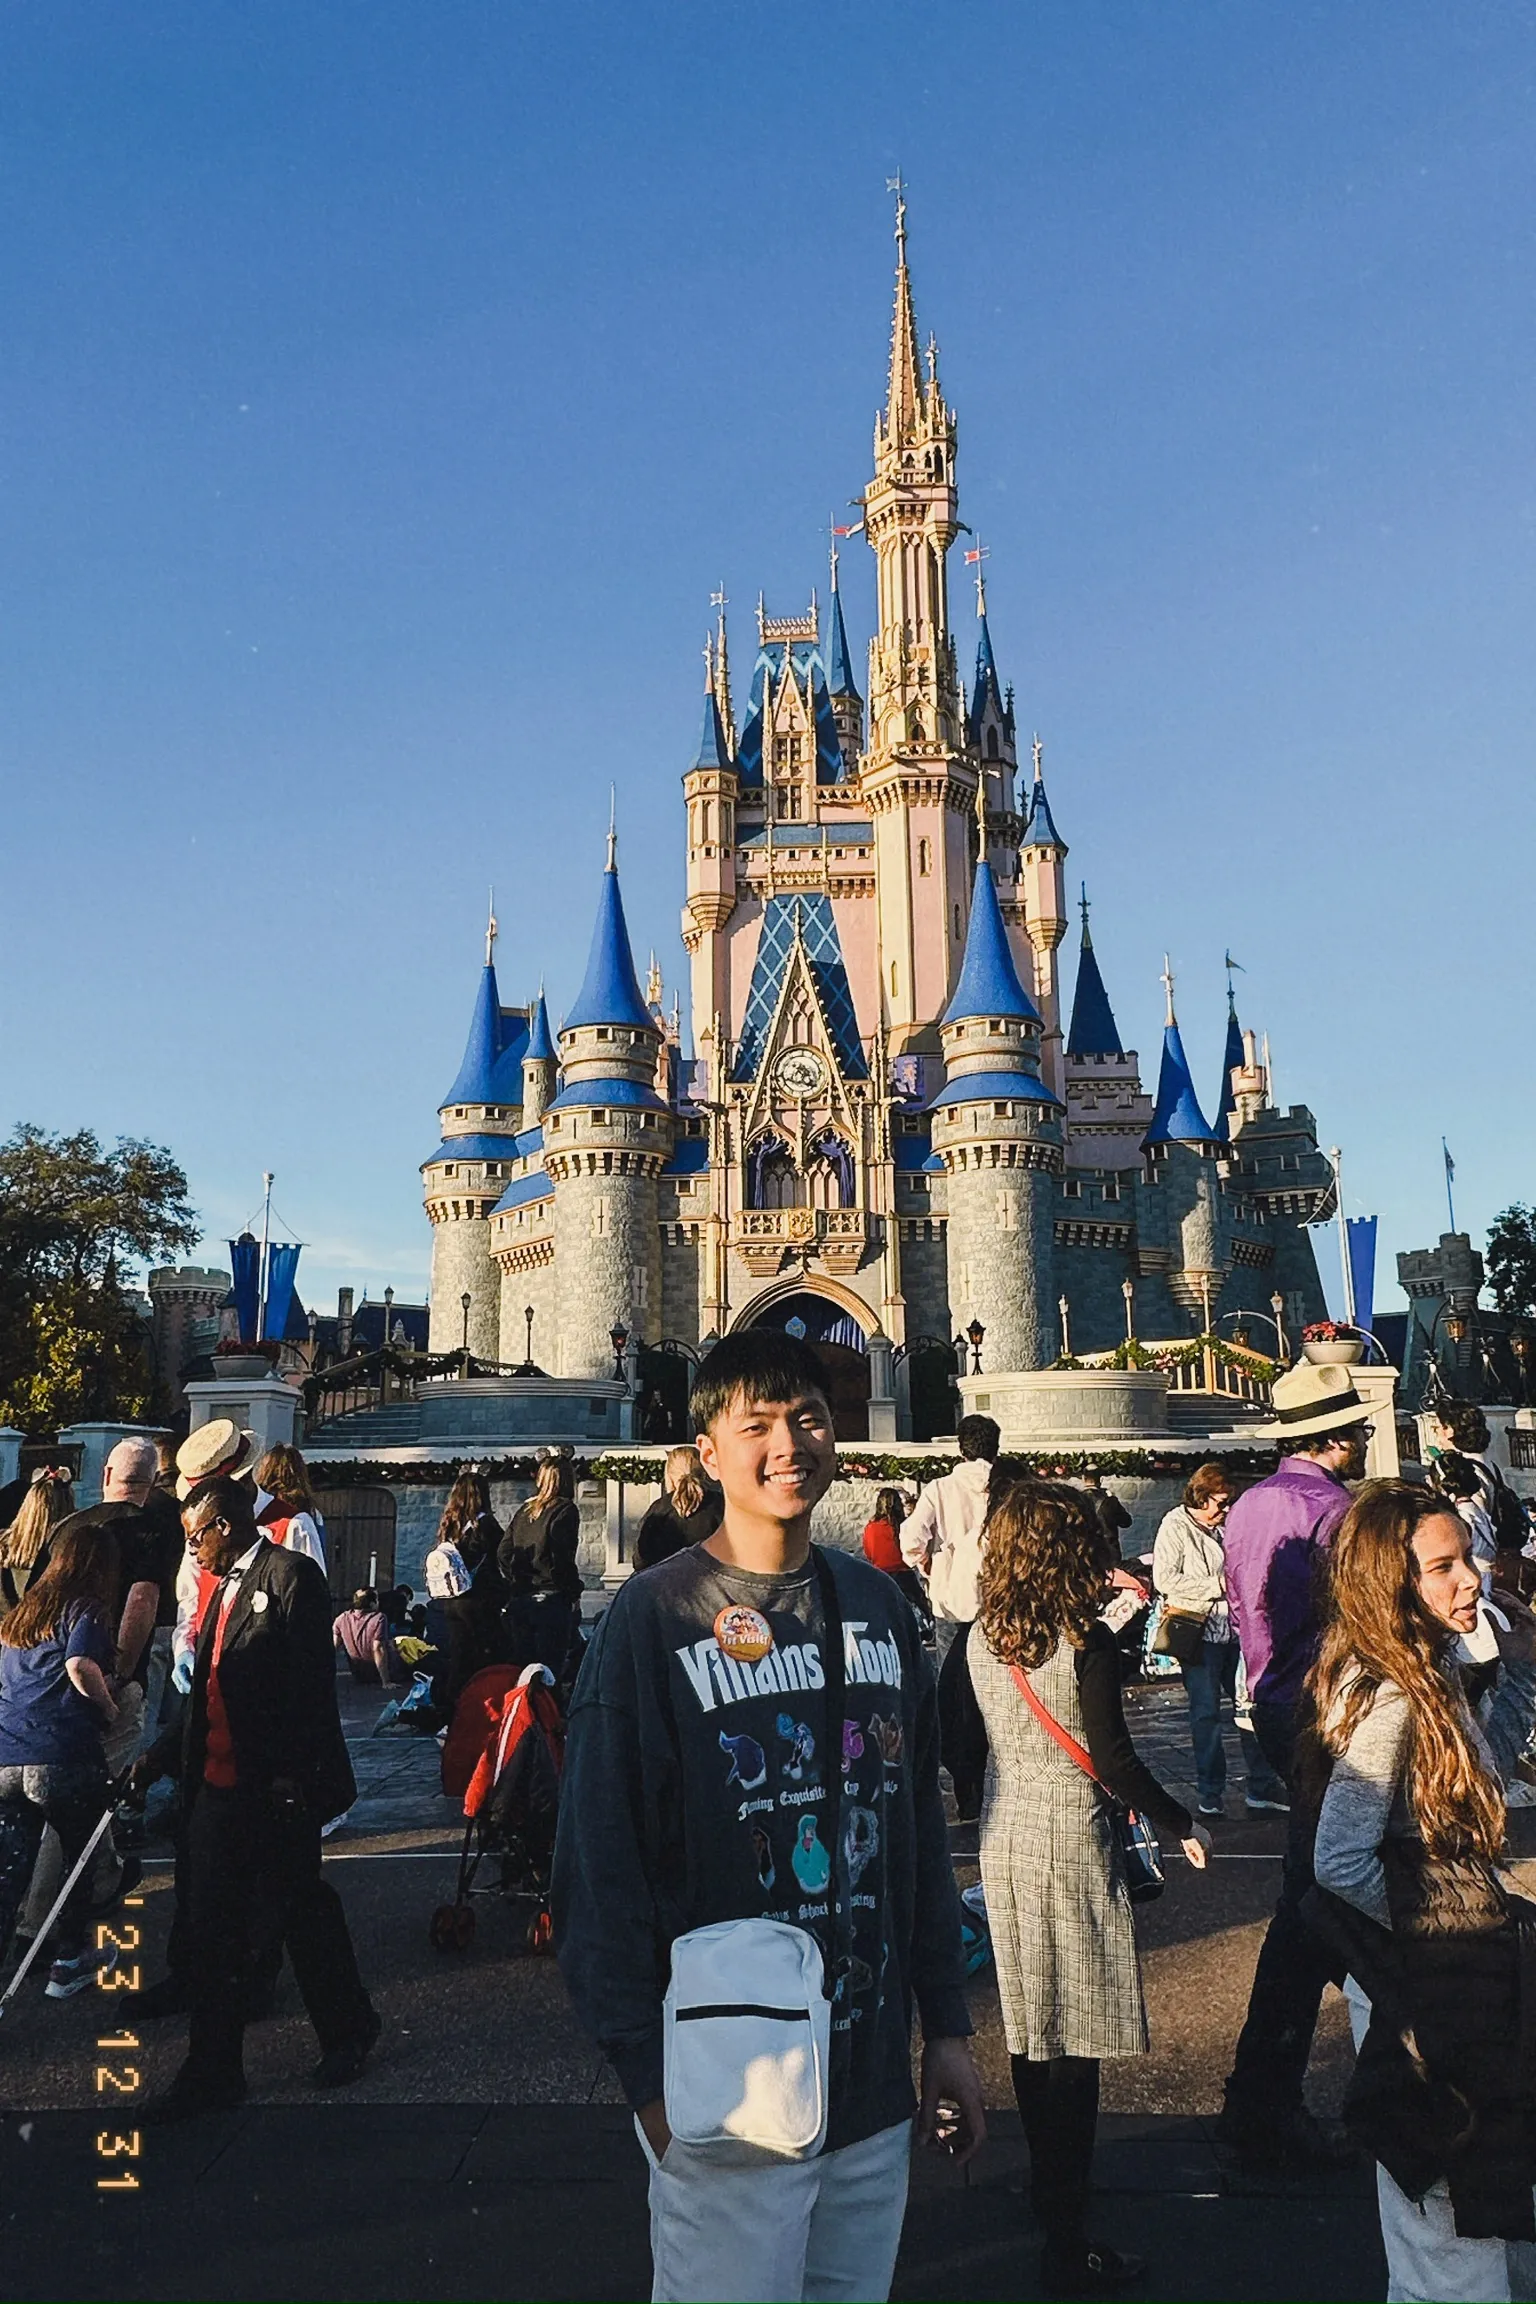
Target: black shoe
<point>192,2100</point>
<point>170,1997</point>
<point>1088,2269</point>
<point>1291,2143</point>
<point>130,1873</point>
<point>339,2067</point>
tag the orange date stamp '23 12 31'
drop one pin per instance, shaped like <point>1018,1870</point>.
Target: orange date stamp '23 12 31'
<point>116,2076</point>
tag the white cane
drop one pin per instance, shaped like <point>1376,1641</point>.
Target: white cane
<point>41,1938</point>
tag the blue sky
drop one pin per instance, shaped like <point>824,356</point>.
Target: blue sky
<point>383,390</point>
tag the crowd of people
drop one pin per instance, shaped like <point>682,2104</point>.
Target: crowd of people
<point>753,1892</point>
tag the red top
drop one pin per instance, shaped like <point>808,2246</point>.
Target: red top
<point>219,1748</point>
<point>882,1548</point>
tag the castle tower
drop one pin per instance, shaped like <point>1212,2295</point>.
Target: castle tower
<point>1042,875</point>
<point>991,728</point>
<point>915,779</point>
<point>464,1178</point>
<point>1107,1114</point>
<point>1181,1147</point>
<point>540,1066</point>
<point>847,703</point>
<point>607,1136</point>
<point>997,1128</point>
<point>711,788</point>
<point>1233,1059</point>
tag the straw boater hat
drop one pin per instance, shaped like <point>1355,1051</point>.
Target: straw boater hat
<point>216,1451</point>
<point>1310,1400</point>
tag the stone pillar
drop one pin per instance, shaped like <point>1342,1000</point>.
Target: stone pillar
<point>1379,1387</point>
<point>96,1443</point>
<point>11,1443</point>
<point>267,1406</point>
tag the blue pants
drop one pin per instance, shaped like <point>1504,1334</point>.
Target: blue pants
<point>1215,1677</point>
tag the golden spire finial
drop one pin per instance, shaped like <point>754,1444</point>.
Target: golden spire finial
<point>491,931</point>
<point>904,401</point>
<point>719,603</point>
<point>1167,981</point>
<point>653,985</point>
<point>1039,754</point>
<point>613,828</point>
<point>981,805</point>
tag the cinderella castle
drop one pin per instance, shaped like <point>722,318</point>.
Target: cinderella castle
<point>886,1135</point>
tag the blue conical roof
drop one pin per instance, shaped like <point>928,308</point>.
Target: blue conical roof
<point>1178,1118</point>
<point>610,992</point>
<point>989,982</point>
<point>1040,830</point>
<point>840,680</point>
<point>713,752</point>
<point>477,1072</point>
<point>1232,1057</point>
<point>1093,1031</point>
<point>987,687</point>
<point>541,1046</point>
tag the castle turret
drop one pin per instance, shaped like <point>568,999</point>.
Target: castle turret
<point>711,788</point>
<point>1181,1148</point>
<point>464,1178</point>
<point>1107,1113</point>
<point>540,1066</point>
<point>997,1127</point>
<point>847,703</point>
<point>1042,875</point>
<point>1233,1060</point>
<point>607,1136</point>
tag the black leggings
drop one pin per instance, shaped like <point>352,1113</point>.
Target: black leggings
<point>1058,2098</point>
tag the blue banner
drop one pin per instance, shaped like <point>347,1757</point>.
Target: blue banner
<point>282,1264</point>
<point>1362,1266</point>
<point>245,1263</point>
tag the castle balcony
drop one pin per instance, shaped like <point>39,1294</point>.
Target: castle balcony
<point>1206,1366</point>
<point>838,1237</point>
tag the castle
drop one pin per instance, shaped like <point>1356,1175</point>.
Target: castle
<point>886,1135</point>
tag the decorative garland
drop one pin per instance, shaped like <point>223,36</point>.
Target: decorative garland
<point>857,1464</point>
<point>1131,1354</point>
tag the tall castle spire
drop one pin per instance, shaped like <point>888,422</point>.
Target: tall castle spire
<point>1177,1118</point>
<point>904,397</point>
<point>1093,1030</point>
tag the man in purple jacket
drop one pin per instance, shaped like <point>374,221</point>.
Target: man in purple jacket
<point>1277,1541</point>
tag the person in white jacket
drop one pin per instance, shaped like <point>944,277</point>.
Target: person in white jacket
<point>941,1537</point>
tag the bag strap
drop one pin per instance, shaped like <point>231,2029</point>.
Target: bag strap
<point>839,1924</point>
<point>1054,1729</point>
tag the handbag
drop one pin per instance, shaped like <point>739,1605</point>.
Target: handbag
<point>747,2017</point>
<point>1180,1633</point>
<point>1145,1879</point>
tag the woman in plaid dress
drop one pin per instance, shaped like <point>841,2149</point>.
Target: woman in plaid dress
<point>1062,1932</point>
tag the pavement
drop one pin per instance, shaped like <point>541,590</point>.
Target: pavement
<point>486,2153</point>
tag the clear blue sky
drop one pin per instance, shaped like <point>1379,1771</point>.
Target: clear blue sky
<point>384,388</point>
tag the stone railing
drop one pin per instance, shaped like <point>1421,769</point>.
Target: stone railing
<point>1203,1367</point>
<point>836,1235</point>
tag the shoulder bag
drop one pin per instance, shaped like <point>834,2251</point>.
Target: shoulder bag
<point>747,2018</point>
<point>1179,1633</point>
<point>1143,1858</point>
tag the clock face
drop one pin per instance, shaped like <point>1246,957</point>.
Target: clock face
<point>801,1072</point>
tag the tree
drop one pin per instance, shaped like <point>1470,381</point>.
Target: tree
<point>1512,1259</point>
<point>71,1346</point>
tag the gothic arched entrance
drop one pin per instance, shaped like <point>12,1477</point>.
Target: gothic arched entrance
<point>837,1340</point>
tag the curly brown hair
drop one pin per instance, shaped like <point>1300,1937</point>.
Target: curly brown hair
<point>1045,1563</point>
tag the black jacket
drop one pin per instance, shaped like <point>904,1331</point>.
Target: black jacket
<point>277,1675</point>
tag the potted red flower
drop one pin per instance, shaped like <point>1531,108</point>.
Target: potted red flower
<point>1333,1342</point>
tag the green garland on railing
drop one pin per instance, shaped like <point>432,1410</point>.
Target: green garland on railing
<point>853,1464</point>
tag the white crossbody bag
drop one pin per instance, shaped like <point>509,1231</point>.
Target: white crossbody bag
<point>747,2019</point>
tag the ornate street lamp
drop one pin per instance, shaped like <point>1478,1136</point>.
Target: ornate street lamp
<point>1128,1291</point>
<point>528,1338</point>
<point>465,1302</point>
<point>618,1337</point>
<point>1277,1306</point>
<point>1065,1309</point>
<point>975,1332</point>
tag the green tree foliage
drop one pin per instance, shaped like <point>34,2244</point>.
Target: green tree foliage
<point>71,1212</point>
<point>1512,1259</point>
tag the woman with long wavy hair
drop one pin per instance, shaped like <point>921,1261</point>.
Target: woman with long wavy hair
<point>1410,1834</point>
<point>465,1587</point>
<point>1057,1900</point>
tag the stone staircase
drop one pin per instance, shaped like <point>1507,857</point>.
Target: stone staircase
<point>1195,1412</point>
<point>395,1425</point>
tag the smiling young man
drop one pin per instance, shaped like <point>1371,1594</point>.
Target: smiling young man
<point>697,1783</point>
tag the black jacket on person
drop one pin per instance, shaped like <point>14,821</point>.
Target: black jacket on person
<point>277,1676</point>
<point>538,1552</point>
<point>665,1530</point>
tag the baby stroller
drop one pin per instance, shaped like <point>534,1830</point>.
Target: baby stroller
<point>511,1794</point>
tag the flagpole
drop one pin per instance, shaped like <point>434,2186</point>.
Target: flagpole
<point>1337,1158</point>
<point>266,1249</point>
<point>1450,1172</point>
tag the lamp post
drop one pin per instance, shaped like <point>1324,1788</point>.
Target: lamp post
<point>1065,1310</point>
<point>389,1303</point>
<point>528,1335</point>
<point>465,1302</point>
<point>975,1333</point>
<point>1128,1291</point>
<point>1277,1306</point>
<point>1520,1342</point>
<point>618,1337</point>
<point>389,1298</point>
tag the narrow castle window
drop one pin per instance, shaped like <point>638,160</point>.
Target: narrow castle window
<point>991,743</point>
<point>957,923</point>
<point>925,857</point>
<point>893,979</point>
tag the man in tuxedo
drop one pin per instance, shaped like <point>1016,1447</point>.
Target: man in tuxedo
<point>263,1764</point>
